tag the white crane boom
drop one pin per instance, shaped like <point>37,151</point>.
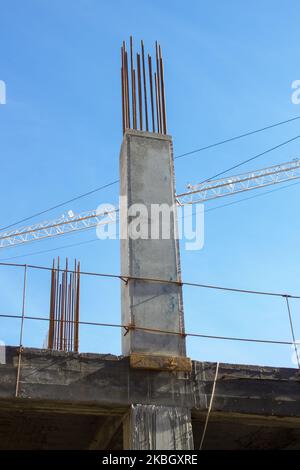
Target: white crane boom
<point>54,228</point>
<point>239,183</point>
<point>198,193</point>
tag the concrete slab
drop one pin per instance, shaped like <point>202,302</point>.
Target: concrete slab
<point>258,406</point>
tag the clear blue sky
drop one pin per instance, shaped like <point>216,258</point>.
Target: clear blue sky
<point>229,67</point>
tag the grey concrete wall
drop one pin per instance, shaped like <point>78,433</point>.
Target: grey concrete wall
<point>147,177</point>
<point>57,380</point>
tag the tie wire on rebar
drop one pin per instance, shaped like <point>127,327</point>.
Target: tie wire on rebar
<point>138,95</point>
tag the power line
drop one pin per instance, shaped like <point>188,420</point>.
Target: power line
<point>231,139</point>
<point>116,210</point>
<point>157,330</point>
<point>242,200</point>
<point>126,278</point>
<point>51,249</point>
<point>61,204</point>
<point>252,158</point>
<point>94,240</point>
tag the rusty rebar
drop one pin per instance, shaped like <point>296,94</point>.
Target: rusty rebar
<point>151,92</point>
<point>138,59</point>
<point>138,94</point>
<point>76,332</point>
<point>125,88</point>
<point>145,85</point>
<point>158,89</point>
<point>57,305</point>
<point>64,308</point>
<point>133,85</point>
<point>128,120</point>
<point>123,91</point>
<point>163,95</point>
<point>52,309</point>
<point>157,102</point>
<point>62,312</point>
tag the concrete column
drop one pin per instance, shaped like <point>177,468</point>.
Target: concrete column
<point>147,177</point>
<point>151,427</point>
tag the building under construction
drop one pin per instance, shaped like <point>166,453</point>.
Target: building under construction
<point>153,396</point>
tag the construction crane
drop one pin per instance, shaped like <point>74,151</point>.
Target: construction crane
<point>227,186</point>
<point>198,193</point>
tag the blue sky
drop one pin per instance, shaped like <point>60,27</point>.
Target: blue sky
<point>229,68</point>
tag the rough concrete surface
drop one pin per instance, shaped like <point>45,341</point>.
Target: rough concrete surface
<point>147,178</point>
<point>69,400</point>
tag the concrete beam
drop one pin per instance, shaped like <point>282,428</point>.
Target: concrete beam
<point>98,383</point>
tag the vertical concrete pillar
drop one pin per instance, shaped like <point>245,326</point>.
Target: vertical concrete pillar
<point>147,177</point>
<point>151,427</point>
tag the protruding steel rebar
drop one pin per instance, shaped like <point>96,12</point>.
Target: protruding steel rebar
<point>135,102</point>
<point>127,91</point>
<point>52,309</point>
<point>77,302</point>
<point>123,94</point>
<point>133,85</point>
<point>145,85</point>
<point>140,91</point>
<point>163,97</point>
<point>57,304</point>
<point>158,89</point>
<point>64,308</point>
<point>151,92</point>
<point>157,102</point>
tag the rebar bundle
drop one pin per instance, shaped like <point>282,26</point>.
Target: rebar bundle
<point>64,307</point>
<point>142,90</point>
